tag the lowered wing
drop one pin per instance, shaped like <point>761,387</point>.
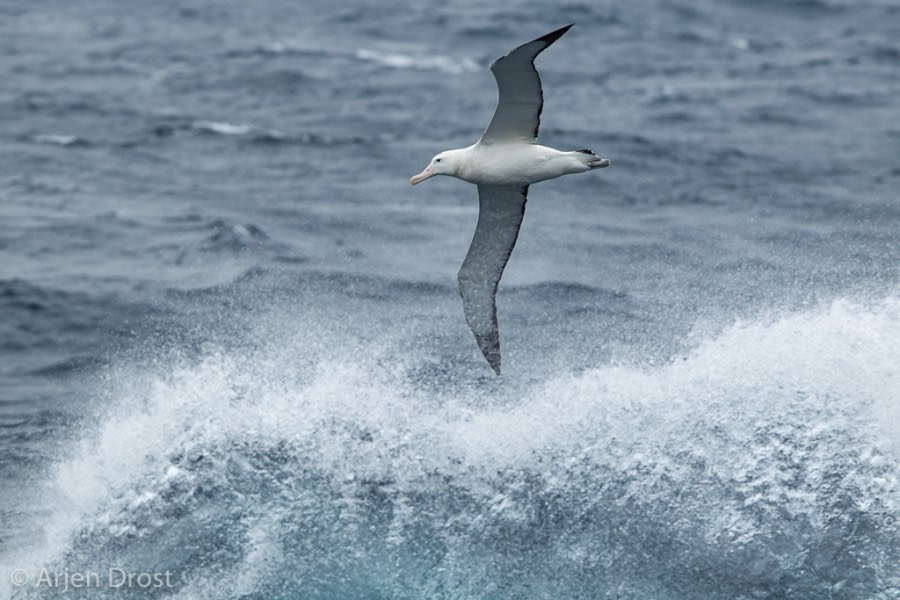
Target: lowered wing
<point>500,212</point>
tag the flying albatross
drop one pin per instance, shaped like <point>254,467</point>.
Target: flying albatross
<point>503,163</point>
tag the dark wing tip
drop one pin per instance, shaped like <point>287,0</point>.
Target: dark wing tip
<point>489,344</point>
<point>546,39</point>
<point>554,35</point>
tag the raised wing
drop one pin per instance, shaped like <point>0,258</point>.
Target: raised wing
<point>500,211</point>
<point>518,114</point>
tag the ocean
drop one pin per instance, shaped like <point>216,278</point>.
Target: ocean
<point>233,358</point>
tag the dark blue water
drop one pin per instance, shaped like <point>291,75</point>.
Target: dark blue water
<point>231,345</point>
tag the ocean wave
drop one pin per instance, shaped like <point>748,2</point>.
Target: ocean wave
<point>60,140</point>
<point>276,137</point>
<point>233,236</point>
<point>761,464</point>
<point>886,54</point>
<point>273,136</point>
<point>429,63</point>
<point>808,6</point>
<point>221,127</point>
<point>848,97</point>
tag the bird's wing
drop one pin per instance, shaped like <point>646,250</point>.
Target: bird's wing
<point>518,114</point>
<point>500,212</point>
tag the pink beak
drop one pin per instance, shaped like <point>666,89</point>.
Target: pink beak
<point>428,172</point>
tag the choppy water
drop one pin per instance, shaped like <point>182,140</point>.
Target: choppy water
<point>231,345</point>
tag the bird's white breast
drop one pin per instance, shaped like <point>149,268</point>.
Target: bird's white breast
<point>515,163</point>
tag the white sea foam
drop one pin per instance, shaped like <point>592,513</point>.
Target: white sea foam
<point>221,127</point>
<point>748,452</point>
<point>58,140</point>
<point>405,61</point>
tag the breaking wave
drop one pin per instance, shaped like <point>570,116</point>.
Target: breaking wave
<point>761,464</point>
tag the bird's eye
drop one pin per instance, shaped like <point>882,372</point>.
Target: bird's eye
<point>437,160</point>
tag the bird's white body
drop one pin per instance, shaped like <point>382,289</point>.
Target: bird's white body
<point>511,163</point>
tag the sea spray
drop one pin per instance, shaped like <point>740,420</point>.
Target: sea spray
<point>761,463</point>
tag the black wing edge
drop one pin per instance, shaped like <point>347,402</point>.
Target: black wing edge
<point>554,35</point>
<point>547,39</point>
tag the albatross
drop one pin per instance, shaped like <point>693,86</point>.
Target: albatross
<point>503,163</point>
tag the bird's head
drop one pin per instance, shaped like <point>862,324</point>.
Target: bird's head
<point>445,163</point>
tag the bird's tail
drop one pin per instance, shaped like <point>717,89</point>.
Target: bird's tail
<point>592,160</point>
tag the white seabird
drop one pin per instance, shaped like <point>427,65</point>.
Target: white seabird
<point>503,163</point>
